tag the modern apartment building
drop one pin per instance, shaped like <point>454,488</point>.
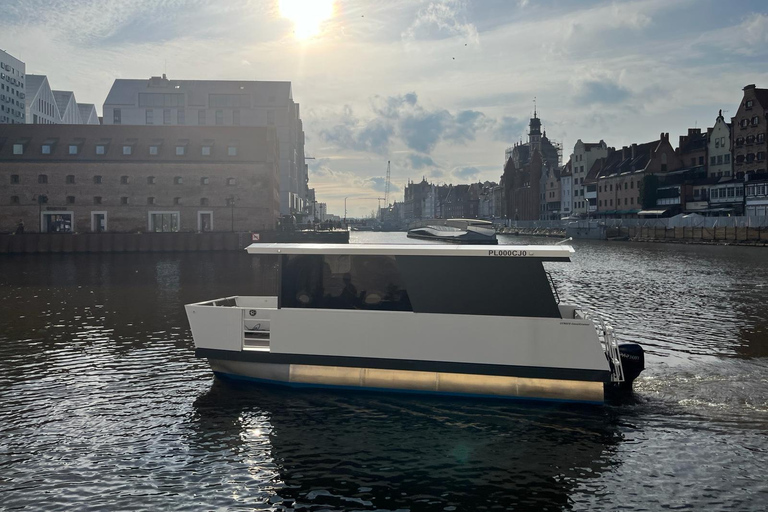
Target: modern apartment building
<point>46,106</point>
<point>12,89</point>
<point>161,101</point>
<point>83,178</point>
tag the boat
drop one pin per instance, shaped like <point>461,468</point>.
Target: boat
<point>458,231</point>
<point>427,318</point>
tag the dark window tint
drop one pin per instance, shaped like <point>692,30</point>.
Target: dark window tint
<point>343,282</point>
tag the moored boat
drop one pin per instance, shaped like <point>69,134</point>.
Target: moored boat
<point>457,320</point>
<point>458,231</point>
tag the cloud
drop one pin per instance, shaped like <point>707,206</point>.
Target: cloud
<point>353,134</point>
<point>441,19</point>
<point>466,173</point>
<point>602,91</point>
<point>420,161</point>
<point>509,129</point>
<point>379,183</point>
<point>422,130</point>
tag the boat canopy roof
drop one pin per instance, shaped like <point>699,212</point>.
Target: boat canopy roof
<point>542,252</point>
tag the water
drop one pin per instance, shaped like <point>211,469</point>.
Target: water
<point>103,405</point>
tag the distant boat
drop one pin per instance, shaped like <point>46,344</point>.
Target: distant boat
<point>458,231</point>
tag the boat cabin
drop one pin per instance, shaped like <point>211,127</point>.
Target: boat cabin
<point>461,280</point>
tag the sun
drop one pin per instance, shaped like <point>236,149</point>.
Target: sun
<point>306,15</point>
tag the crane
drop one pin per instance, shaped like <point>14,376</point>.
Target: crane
<point>386,188</point>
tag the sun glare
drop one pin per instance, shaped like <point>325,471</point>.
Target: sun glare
<point>306,15</point>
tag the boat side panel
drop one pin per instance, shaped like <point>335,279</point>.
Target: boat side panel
<point>535,342</point>
<point>216,327</point>
<point>414,381</point>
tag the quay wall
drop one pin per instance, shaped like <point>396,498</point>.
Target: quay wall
<point>154,242</point>
<point>737,235</point>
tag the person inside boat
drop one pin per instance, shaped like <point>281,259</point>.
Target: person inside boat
<point>349,295</point>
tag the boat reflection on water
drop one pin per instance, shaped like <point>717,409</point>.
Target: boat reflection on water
<point>378,451</point>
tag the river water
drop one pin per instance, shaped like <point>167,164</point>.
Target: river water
<point>103,405</point>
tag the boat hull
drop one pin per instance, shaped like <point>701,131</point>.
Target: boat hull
<point>414,381</point>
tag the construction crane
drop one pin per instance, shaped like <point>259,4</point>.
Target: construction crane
<point>386,188</point>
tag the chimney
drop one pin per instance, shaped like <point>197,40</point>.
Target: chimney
<point>750,86</point>
<point>624,153</point>
<point>634,147</point>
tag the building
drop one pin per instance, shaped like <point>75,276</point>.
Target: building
<point>46,106</point>
<point>756,196</point>
<point>160,101</point>
<point>692,149</point>
<point>419,201</point>
<point>523,172</point>
<point>566,190</point>
<point>622,188</point>
<point>584,155</point>
<point>551,203</point>
<point>719,149</point>
<point>83,178</point>
<point>749,129</point>
<point>12,89</point>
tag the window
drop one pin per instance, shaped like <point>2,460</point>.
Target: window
<point>760,156</point>
<point>727,158</point>
<point>72,149</point>
<point>164,222</point>
<point>611,187</point>
<point>178,180</point>
<point>744,123</point>
<point>631,200</point>
<point>148,99</point>
<point>219,117</point>
<point>70,180</point>
<point>42,178</point>
<point>740,141</point>
<point>611,202</point>
<point>180,150</point>
<point>232,150</point>
<point>344,282</point>
<point>167,116</point>
<point>153,150</point>
<point>270,117</point>
<point>749,104</point>
<point>203,201</point>
<point>717,142</point>
<point>760,137</point>
<point>18,149</point>
<point>150,200</point>
<point>231,182</point>
<point>600,202</point>
<point>15,179</point>
<point>101,149</point>
<point>124,180</point>
<point>236,117</point>
<point>123,200</point>
<point>70,199</point>
<point>96,199</point>
<point>127,150</point>
<point>201,117</point>
<point>116,116</point>
<point>600,188</point>
<point>150,180</point>
<point>14,199</point>
<point>149,116</point>
<point>206,151</point>
<point>719,159</point>
<point>631,184</point>
<point>176,200</point>
<point>750,139</point>
<point>230,201</point>
<point>181,117</point>
<point>750,158</point>
<point>625,186</point>
<point>46,149</point>
<point>204,180</point>
<point>97,180</point>
<point>755,121</point>
<point>701,160</point>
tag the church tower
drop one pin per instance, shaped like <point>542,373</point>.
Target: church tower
<point>534,132</point>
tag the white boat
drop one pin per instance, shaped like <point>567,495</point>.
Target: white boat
<point>457,320</point>
<point>458,231</point>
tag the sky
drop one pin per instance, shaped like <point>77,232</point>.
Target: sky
<point>438,88</point>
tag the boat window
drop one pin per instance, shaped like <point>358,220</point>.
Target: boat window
<point>266,272</point>
<point>343,282</point>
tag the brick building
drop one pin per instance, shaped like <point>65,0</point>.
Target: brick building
<point>84,178</point>
<point>749,131</point>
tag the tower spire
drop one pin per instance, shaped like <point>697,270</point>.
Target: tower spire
<point>534,106</point>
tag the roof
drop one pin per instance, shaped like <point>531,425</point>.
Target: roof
<point>62,100</point>
<point>125,91</point>
<point>33,84</point>
<point>545,252</point>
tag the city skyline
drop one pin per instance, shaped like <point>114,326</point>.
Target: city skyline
<point>439,88</point>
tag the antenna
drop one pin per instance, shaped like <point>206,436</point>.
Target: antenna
<point>534,106</point>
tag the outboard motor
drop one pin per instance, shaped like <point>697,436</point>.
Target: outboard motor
<point>632,361</point>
